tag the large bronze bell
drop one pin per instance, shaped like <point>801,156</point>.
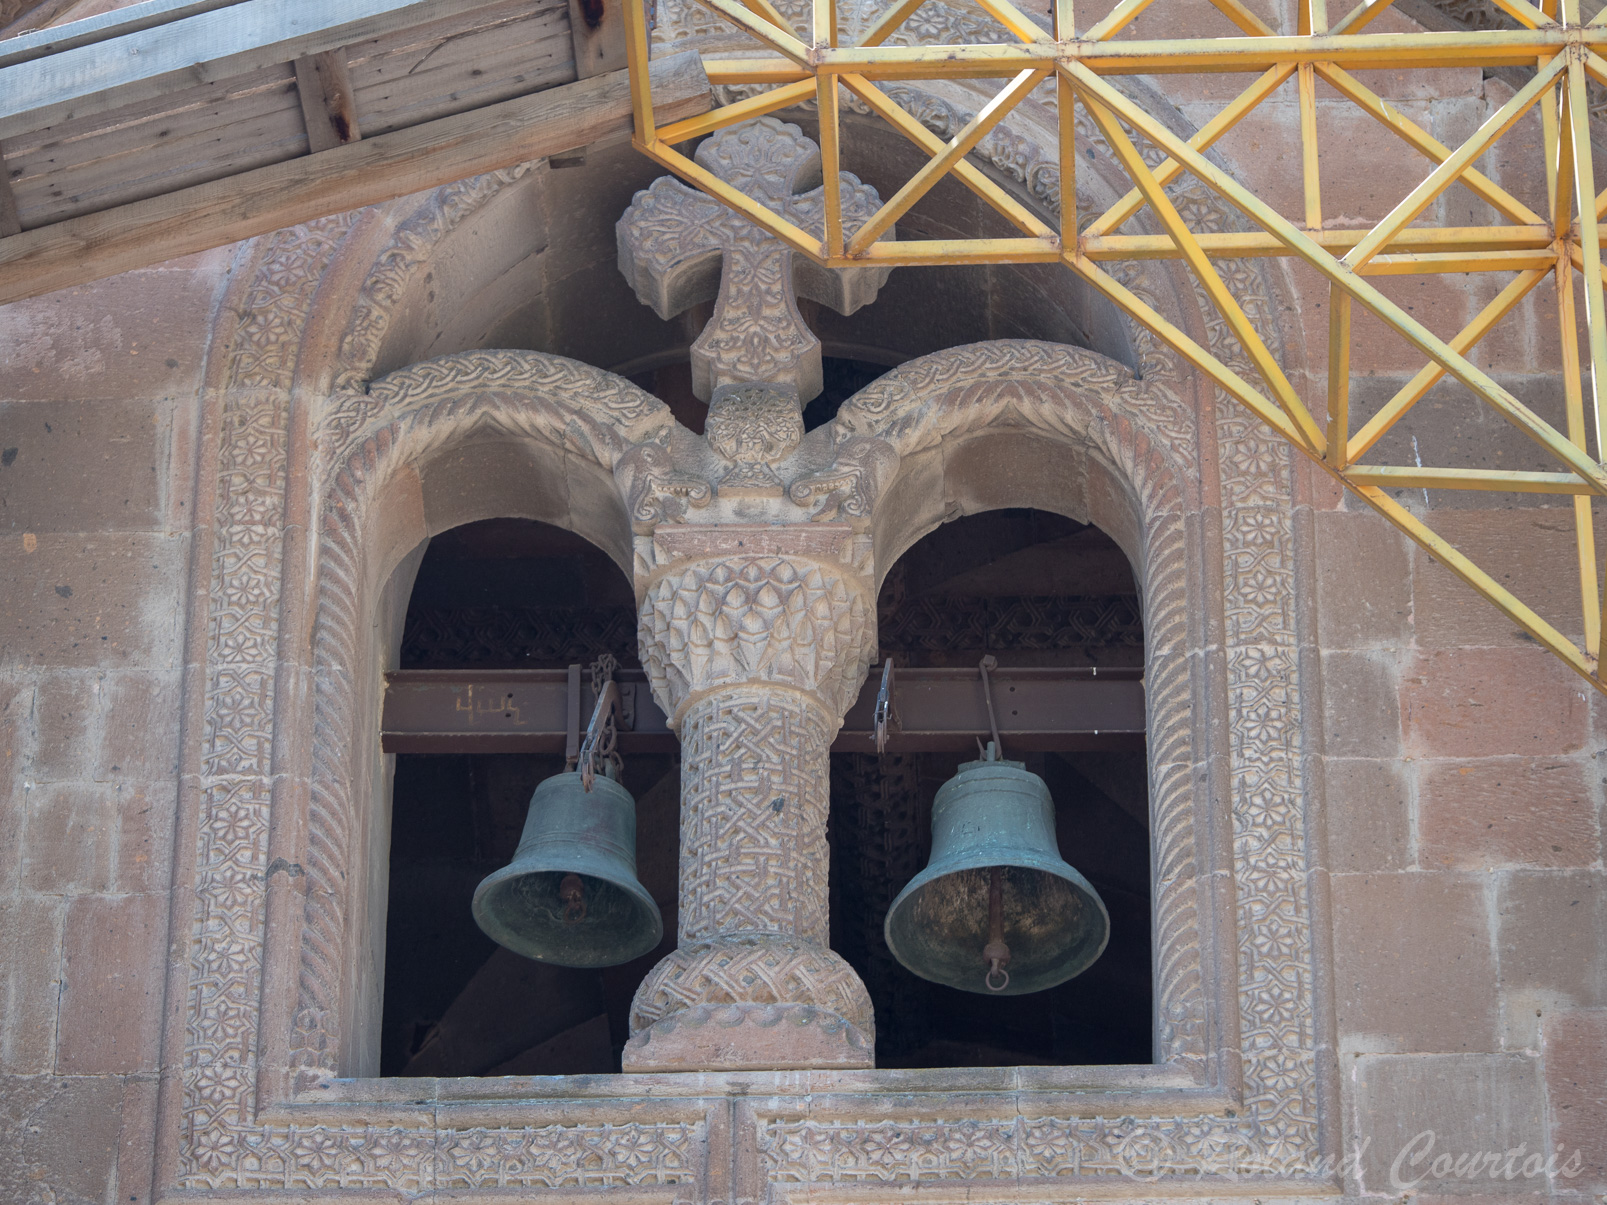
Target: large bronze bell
<point>996,909</point>
<point>570,896</point>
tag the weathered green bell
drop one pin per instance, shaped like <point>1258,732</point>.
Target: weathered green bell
<point>570,896</point>
<point>996,909</point>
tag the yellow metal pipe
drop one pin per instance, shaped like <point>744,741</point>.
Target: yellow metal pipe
<point>1203,139</point>
<point>1473,240</point>
<point>936,252</point>
<point>773,33</point>
<point>1118,19</point>
<point>964,170</point>
<point>1589,249</point>
<point>636,59</point>
<point>772,223</point>
<point>1444,175</point>
<point>1427,377</point>
<point>1394,477</point>
<point>1013,19</point>
<point>1507,602</point>
<point>1386,114</point>
<point>1311,181</point>
<point>1338,451</point>
<point>892,17</point>
<point>958,147</point>
<point>1238,322</point>
<point>1574,404</point>
<point>772,70</point>
<point>1357,286</point>
<point>738,111</point>
<point>1225,378</point>
<point>1235,11</point>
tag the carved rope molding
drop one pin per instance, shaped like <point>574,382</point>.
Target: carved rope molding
<point>1149,436</point>
<point>223,1146</point>
<point>569,406</point>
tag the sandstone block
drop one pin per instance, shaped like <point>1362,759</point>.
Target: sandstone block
<point>1489,702</point>
<point>1507,812</point>
<point>30,937</point>
<point>1530,550</point>
<point>142,857</point>
<point>1361,709</point>
<point>137,1143</point>
<point>137,335</point>
<point>1368,823</point>
<point>1364,577</point>
<point>111,992</point>
<point>139,735</point>
<point>60,1136</point>
<point>1575,1051</point>
<point>104,601</point>
<point>1412,965</point>
<point>71,828</point>
<point>1445,1123</point>
<point>76,466</point>
<point>66,717</point>
<point>1551,938</point>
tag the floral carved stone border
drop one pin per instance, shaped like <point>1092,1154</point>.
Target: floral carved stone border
<point>232,1138</point>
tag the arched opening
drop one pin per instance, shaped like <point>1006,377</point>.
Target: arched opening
<point>1033,589</point>
<point>506,594</point>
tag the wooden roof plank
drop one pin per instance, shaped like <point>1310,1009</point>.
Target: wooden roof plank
<point>207,46</point>
<point>347,177</point>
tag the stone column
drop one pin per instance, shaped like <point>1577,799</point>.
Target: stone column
<point>757,639</point>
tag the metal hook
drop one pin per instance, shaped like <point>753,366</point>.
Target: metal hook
<point>884,706</point>
<point>987,663</point>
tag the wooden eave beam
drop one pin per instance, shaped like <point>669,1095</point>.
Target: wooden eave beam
<point>427,155</point>
<point>123,67</point>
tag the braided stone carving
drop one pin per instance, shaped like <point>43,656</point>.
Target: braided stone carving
<point>755,655</point>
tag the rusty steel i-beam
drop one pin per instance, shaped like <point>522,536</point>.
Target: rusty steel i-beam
<point>1523,248</point>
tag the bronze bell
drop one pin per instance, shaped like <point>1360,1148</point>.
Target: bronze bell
<point>570,896</point>
<point>996,909</point>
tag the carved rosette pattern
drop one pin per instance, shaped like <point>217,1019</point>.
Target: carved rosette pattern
<point>227,932</point>
<point>224,1147</point>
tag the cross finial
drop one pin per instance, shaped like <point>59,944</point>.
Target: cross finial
<point>678,247</point>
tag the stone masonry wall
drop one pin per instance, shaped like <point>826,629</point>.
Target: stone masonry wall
<point>98,404</point>
<point>1461,768</point>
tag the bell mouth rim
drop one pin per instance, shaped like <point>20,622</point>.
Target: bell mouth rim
<point>1057,868</point>
<point>645,905</point>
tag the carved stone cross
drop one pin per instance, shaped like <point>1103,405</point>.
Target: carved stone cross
<point>678,247</point>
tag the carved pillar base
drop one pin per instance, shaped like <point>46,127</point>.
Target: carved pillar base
<point>746,1002</point>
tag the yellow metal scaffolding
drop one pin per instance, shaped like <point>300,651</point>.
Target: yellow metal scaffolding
<point>1527,246</point>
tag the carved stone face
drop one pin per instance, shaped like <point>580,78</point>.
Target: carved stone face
<point>754,424</point>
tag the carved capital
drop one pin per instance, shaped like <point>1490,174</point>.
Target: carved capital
<point>754,605</point>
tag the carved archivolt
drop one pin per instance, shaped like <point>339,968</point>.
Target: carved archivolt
<point>229,1136</point>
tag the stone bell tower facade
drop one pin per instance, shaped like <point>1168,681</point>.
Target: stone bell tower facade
<point>1361,928</point>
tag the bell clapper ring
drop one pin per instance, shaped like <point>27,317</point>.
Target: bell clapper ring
<point>996,952</point>
<point>884,706</point>
<point>990,662</point>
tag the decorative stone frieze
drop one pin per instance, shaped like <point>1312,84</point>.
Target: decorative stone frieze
<point>255,1104</point>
